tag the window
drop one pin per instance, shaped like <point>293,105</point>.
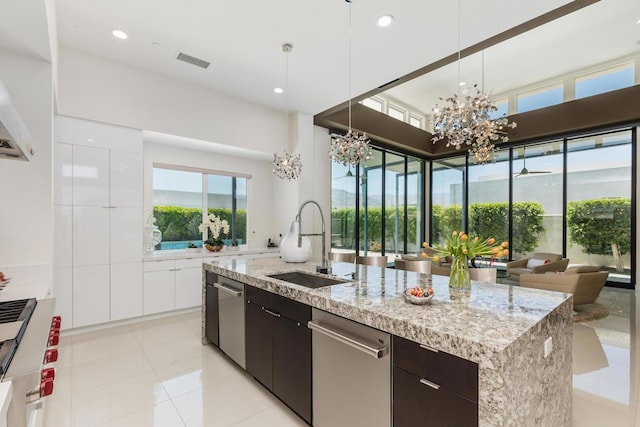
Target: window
<point>377,207</point>
<point>605,81</point>
<point>374,103</point>
<point>415,121</point>
<point>179,194</point>
<point>396,112</point>
<point>540,98</point>
<point>447,184</point>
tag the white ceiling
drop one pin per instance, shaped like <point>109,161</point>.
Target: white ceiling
<point>242,39</point>
<point>597,34</point>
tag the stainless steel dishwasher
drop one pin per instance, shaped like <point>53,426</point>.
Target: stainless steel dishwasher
<point>231,318</point>
<point>351,373</point>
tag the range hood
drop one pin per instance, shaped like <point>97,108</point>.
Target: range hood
<point>15,142</point>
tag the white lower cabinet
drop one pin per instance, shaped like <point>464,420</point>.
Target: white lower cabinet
<point>172,284</point>
<point>188,282</point>
<point>158,286</point>
<point>90,295</point>
<point>126,290</point>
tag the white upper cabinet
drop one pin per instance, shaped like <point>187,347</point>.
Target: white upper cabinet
<point>62,174</point>
<point>126,179</point>
<point>90,176</point>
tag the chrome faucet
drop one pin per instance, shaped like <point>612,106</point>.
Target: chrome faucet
<point>324,268</point>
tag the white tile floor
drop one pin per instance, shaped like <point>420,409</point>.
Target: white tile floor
<point>157,373</point>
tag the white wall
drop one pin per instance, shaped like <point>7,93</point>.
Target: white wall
<point>261,204</point>
<point>26,234</point>
<point>106,91</point>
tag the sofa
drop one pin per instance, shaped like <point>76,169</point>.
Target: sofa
<point>540,262</point>
<point>584,282</point>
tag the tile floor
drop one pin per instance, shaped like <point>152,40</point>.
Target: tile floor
<point>157,373</point>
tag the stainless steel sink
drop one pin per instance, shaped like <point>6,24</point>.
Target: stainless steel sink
<point>306,279</point>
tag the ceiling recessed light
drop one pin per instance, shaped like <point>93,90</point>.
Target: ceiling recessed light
<point>278,90</point>
<point>119,34</point>
<point>462,83</point>
<point>385,21</point>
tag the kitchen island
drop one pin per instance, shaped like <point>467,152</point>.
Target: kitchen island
<point>503,329</point>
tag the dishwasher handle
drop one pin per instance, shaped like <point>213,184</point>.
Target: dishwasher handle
<point>234,292</point>
<point>375,352</point>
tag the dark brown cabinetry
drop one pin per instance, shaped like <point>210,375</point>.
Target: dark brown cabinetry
<point>212,321</point>
<point>432,388</point>
<point>278,347</point>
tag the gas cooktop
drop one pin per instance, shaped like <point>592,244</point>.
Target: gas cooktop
<point>14,316</point>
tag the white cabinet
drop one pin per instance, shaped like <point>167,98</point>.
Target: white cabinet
<point>126,290</point>
<point>98,197</point>
<point>90,176</point>
<point>159,286</point>
<point>90,235</point>
<point>125,179</point>
<point>172,284</point>
<point>126,234</point>
<point>90,295</point>
<point>188,282</point>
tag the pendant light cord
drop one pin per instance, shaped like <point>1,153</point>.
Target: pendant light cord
<point>286,96</point>
<point>350,3</point>
<point>459,50</point>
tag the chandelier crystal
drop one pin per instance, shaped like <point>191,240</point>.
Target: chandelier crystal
<point>468,122</point>
<point>286,166</point>
<point>352,147</point>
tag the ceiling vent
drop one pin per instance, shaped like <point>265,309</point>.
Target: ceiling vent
<point>193,60</point>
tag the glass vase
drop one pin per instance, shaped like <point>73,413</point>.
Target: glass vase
<point>459,279</point>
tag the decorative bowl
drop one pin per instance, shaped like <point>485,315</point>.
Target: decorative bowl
<point>417,300</point>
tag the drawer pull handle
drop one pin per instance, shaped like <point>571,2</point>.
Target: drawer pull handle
<point>426,347</point>
<point>429,383</point>
<point>231,291</point>
<point>377,351</point>
<point>272,313</point>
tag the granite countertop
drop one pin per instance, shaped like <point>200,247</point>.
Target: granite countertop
<point>203,253</point>
<point>477,329</point>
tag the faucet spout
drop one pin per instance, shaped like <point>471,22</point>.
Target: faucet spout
<point>325,264</point>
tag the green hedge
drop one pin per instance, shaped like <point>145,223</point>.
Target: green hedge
<point>596,224</point>
<point>491,220</point>
<point>178,223</point>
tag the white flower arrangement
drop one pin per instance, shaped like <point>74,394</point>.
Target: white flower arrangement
<point>215,225</point>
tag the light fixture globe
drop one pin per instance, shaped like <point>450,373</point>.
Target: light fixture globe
<point>350,148</point>
<point>286,165</point>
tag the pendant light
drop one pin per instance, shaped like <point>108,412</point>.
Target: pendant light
<point>467,120</point>
<point>352,147</point>
<point>287,165</point>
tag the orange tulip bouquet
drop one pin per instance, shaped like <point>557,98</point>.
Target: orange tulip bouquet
<point>461,247</point>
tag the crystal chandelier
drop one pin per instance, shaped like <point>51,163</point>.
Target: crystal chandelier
<point>468,121</point>
<point>352,147</point>
<point>287,165</point>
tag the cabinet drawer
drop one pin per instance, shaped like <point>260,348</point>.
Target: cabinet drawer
<point>294,310</point>
<point>417,404</point>
<point>165,265</point>
<point>259,297</point>
<point>449,371</point>
<point>189,262</point>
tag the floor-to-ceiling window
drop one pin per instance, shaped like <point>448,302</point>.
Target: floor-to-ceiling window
<point>599,202</point>
<point>570,196</point>
<point>537,199</point>
<point>378,206</point>
<point>489,199</point>
<point>447,192</point>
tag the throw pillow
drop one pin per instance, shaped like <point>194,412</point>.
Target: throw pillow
<point>533,262</point>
